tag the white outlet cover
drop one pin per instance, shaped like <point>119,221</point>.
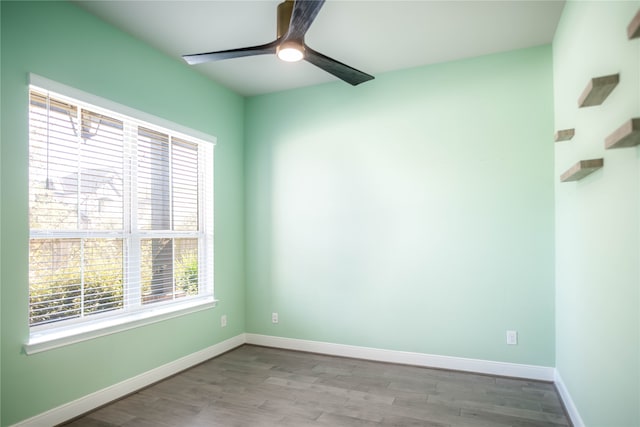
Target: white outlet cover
<point>274,317</point>
<point>512,337</point>
<point>223,320</point>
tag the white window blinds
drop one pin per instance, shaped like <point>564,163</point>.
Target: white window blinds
<point>120,214</point>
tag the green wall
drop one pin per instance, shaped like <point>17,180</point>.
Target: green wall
<point>62,42</point>
<point>598,218</point>
<point>413,212</point>
<point>0,221</point>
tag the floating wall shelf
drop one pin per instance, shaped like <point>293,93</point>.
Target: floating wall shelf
<point>627,135</point>
<point>564,135</point>
<point>581,169</point>
<point>633,30</point>
<point>597,90</point>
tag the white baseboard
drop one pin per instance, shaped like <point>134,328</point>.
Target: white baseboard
<point>101,397</point>
<point>571,408</point>
<point>94,400</point>
<point>534,372</point>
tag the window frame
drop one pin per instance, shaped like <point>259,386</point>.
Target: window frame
<point>57,334</point>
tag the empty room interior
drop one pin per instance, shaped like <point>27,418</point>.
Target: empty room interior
<point>469,203</point>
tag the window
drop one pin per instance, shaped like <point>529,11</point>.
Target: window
<point>120,217</point>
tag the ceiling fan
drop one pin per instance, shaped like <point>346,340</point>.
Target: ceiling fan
<point>294,19</point>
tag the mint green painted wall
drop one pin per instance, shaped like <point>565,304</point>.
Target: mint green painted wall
<point>62,42</point>
<point>597,218</point>
<point>413,212</point>
<point>0,226</point>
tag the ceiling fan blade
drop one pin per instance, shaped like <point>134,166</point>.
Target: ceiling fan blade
<point>263,49</point>
<point>337,68</point>
<point>303,15</point>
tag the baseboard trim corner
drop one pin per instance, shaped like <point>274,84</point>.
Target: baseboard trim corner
<point>569,405</point>
<point>99,398</point>
<point>533,372</point>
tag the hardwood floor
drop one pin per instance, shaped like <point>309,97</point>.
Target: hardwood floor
<point>258,386</point>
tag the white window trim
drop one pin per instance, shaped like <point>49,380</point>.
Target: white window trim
<point>48,339</point>
<point>89,98</point>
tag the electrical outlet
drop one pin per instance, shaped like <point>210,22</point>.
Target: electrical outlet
<point>512,337</point>
<point>274,317</point>
<point>223,321</point>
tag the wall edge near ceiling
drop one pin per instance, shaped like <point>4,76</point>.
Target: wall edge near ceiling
<point>516,370</point>
<point>101,397</point>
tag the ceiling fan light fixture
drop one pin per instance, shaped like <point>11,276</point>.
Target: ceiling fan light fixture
<point>294,19</point>
<point>290,51</point>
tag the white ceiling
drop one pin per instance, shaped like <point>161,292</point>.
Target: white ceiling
<point>374,36</point>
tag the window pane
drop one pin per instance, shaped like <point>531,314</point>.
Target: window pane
<point>75,167</point>
<point>185,185</point>
<point>71,278</point>
<point>101,175</point>
<point>156,269</point>
<point>103,275</point>
<point>186,266</point>
<point>53,163</point>
<point>54,280</point>
<point>153,180</point>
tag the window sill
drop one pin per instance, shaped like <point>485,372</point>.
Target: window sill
<point>54,338</point>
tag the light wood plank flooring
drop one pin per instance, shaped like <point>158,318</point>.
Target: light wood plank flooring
<point>258,386</point>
